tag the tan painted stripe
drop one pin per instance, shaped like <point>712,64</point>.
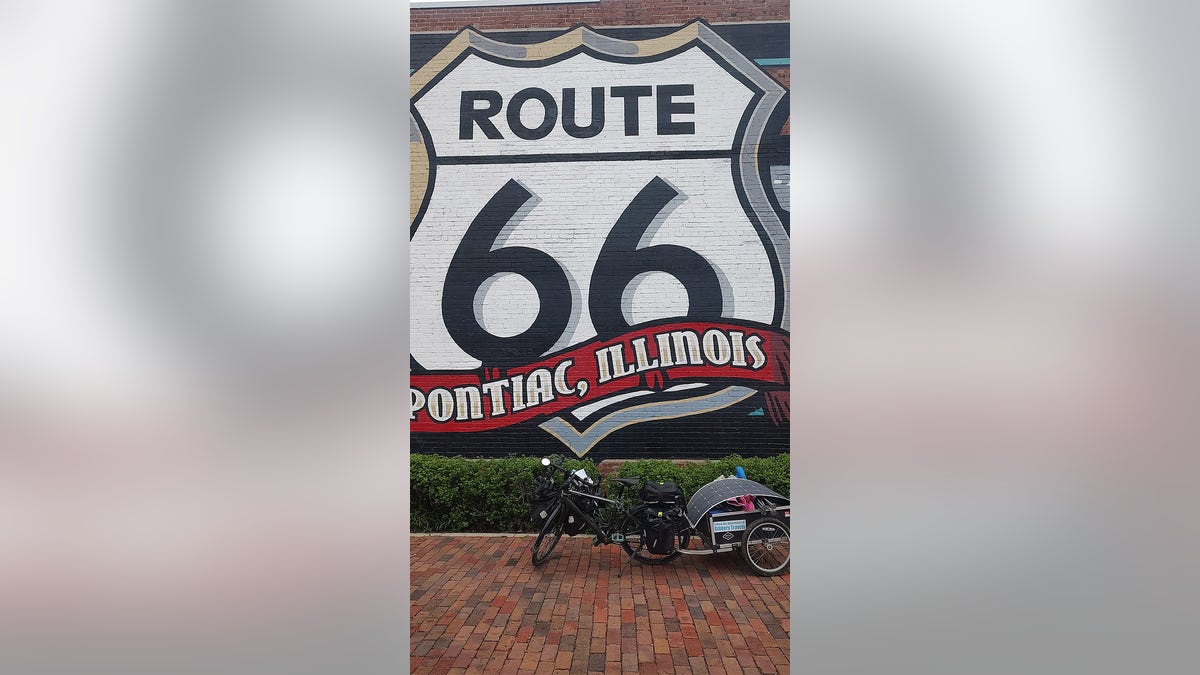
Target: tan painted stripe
<point>439,62</point>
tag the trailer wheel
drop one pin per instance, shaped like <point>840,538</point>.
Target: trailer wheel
<point>766,546</point>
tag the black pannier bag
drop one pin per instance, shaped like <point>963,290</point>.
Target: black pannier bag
<point>660,529</point>
<point>661,493</point>
<point>574,524</point>
<point>544,497</point>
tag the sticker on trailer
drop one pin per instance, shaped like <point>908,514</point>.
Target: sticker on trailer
<point>729,526</point>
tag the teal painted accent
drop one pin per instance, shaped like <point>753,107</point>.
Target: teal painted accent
<point>757,413</point>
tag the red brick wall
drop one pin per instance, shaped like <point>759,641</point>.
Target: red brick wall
<point>603,13</point>
<point>782,74</point>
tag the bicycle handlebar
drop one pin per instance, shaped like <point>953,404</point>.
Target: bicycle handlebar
<point>560,467</point>
<point>547,462</point>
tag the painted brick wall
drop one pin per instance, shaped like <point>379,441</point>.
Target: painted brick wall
<point>603,13</point>
<point>599,233</point>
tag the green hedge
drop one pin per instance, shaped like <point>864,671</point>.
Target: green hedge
<point>773,472</point>
<point>456,494</point>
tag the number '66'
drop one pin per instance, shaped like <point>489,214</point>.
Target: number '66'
<point>619,262</point>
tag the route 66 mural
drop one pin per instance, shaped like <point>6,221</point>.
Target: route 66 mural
<point>595,247</point>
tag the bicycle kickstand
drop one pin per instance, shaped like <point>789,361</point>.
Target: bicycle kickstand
<point>627,563</point>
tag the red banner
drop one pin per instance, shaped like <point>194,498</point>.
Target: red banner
<point>653,357</point>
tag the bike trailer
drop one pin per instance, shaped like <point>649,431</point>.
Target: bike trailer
<point>722,526</point>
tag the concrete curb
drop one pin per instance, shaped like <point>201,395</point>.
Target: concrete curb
<point>472,534</point>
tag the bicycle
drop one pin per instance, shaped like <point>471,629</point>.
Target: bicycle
<point>612,520</point>
<point>726,515</point>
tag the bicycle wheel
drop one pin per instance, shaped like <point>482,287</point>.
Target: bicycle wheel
<point>635,537</point>
<point>766,546</point>
<point>547,539</point>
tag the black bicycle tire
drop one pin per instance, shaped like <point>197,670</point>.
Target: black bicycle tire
<point>554,524</point>
<point>748,545</point>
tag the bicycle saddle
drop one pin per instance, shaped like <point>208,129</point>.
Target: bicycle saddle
<point>628,482</point>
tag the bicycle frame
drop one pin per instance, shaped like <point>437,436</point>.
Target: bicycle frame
<point>608,529</point>
<point>604,533</point>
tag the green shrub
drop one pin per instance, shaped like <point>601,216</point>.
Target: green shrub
<point>773,472</point>
<point>457,494</point>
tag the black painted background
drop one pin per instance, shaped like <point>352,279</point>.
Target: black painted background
<point>725,432</point>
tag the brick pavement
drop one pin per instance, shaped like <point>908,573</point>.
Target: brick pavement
<point>479,605</point>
